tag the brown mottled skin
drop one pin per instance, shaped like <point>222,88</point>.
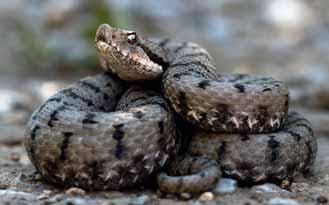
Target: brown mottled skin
<point>229,103</point>
<point>256,158</point>
<point>244,130</point>
<point>190,175</point>
<point>76,138</point>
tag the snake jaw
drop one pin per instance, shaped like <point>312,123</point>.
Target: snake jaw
<point>124,56</point>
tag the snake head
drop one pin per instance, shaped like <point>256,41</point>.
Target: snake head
<point>121,52</point>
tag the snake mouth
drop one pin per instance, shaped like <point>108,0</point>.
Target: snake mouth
<point>121,53</point>
<point>111,50</point>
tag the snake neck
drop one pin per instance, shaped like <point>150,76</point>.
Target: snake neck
<point>156,52</point>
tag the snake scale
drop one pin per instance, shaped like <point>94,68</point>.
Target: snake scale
<point>118,129</point>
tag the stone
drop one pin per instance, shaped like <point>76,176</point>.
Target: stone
<point>45,194</point>
<point>283,201</point>
<point>268,188</point>
<point>225,186</point>
<point>14,157</point>
<point>9,195</point>
<point>185,196</point>
<point>207,196</point>
<point>140,200</point>
<point>322,199</point>
<point>75,191</point>
<point>11,134</point>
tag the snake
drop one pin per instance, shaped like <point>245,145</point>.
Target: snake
<point>85,136</point>
<point>119,129</point>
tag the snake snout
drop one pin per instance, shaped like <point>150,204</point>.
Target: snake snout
<point>102,33</point>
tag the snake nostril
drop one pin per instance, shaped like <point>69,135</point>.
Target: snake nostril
<point>100,37</point>
<point>102,33</point>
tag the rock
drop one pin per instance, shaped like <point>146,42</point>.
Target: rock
<point>312,94</point>
<point>14,157</point>
<point>225,186</point>
<point>9,195</point>
<point>282,201</point>
<point>75,201</point>
<point>18,180</point>
<point>268,188</point>
<point>140,200</point>
<point>45,194</point>
<point>299,187</point>
<point>322,200</point>
<point>285,184</point>
<point>11,134</point>
<point>185,196</point>
<point>56,198</point>
<point>12,100</point>
<point>75,191</point>
<point>3,186</point>
<point>206,196</point>
<point>113,194</point>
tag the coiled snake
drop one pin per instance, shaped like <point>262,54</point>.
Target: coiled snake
<point>100,134</point>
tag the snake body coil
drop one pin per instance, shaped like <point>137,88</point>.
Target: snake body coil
<point>76,139</point>
<point>244,129</point>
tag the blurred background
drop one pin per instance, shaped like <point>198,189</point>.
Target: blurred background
<point>55,37</point>
<point>46,45</point>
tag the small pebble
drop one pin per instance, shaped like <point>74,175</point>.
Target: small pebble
<point>322,200</point>
<point>268,188</point>
<point>285,184</point>
<point>3,186</point>
<point>299,187</point>
<point>37,177</point>
<point>159,193</point>
<point>206,196</point>
<point>140,200</point>
<point>282,201</point>
<point>75,191</point>
<point>225,186</point>
<point>45,194</point>
<point>56,198</point>
<point>20,179</point>
<point>185,196</point>
<point>10,195</point>
<point>170,196</point>
<point>14,157</point>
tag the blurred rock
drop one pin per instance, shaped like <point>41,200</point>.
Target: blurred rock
<point>41,90</point>
<point>11,134</point>
<point>12,100</point>
<point>75,191</point>
<point>225,186</point>
<point>207,196</point>
<point>311,95</point>
<point>282,201</point>
<point>268,188</point>
<point>322,199</point>
<point>45,194</point>
<point>61,200</point>
<point>185,196</point>
<point>9,195</point>
<point>59,11</point>
<point>140,200</point>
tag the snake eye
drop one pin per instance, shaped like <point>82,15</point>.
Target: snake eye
<point>132,37</point>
